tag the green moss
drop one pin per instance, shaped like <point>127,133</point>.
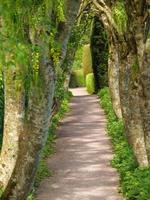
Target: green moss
<point>120,16</point>
<point>77,79</point>
<point>134,180</point>
<point>90,83</point>
<point>135,67</point>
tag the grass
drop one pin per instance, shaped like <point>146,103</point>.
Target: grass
<point>134,181</point>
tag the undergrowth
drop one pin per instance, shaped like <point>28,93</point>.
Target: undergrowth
<point>49,149</point>
<point>134,181</point>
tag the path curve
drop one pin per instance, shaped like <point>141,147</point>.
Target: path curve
<point>81,165</point>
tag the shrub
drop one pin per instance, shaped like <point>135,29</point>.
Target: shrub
<point>90,83</point>
<point>134,181</point>
<point>77,79</point>
<point>87,60</point>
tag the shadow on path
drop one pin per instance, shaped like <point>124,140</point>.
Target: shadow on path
<point>81,165</point>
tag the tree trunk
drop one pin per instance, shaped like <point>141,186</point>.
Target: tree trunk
<point>131,32</point>
<point>113,77</point>
<point>26,132</point>
<point>145,97</point>
<point>13,124</point>
<point>130,100</point>
<point>31,136</point>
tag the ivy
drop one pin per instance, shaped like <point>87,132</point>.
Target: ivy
<point>120,16</point>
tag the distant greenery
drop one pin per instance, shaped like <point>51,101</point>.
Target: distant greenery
<point>77,79</point>
<point>78,58</point>
<point>135,181</point>
<point>90,83</point>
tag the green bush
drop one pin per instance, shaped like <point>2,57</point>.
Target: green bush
<point>77,79</point>
<point>90,83</point>
<point>134,181</point>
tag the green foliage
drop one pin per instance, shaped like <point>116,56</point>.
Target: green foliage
<point>135,183</point>
<point>77,79</point>
<point>59,8</point>
<point>24,23</point>
<point>59,87</point>
<point>80,36</point>
<point>42,172</point>
<point>90,83</point>
<point>120,16</point>
<point>78,59</point>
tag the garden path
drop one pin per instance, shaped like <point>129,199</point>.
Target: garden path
<point>81,165</point>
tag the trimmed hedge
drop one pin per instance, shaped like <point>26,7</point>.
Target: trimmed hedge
<point>134,181</point>
<point>100,52</point>
<point>87,60</point>
<point>77,79</point>
<point>90,83</point>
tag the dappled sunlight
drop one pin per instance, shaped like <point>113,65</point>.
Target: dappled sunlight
<point>81,166</point>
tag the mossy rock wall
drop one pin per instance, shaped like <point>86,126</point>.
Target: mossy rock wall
<point>77,79</point>
<point>87,60</point>
<point>90,83</point>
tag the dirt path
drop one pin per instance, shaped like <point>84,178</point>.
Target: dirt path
<point>81,164</point>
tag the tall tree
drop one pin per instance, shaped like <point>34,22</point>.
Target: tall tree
<point>129,24</point>
<point>33,45</point>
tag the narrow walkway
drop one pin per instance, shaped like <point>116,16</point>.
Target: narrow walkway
<point>81,165</point>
